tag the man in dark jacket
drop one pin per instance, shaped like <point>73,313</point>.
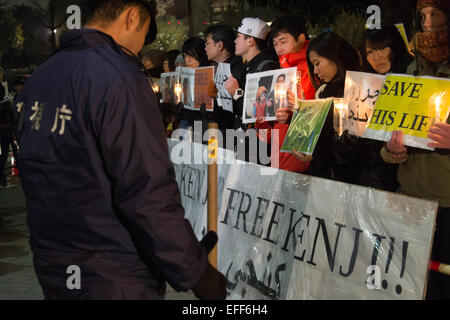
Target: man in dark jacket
<point>104,209</point>
<point>220,47</point>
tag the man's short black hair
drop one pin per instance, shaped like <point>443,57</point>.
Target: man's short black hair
<point>295,26</point>
<point>223,33</point>
<point>260,43</point>
<point>107,11</point>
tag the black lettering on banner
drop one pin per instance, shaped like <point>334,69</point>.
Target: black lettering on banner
<point>230,206</point>
<point>190,184</point>
<point>353,256</point>
<point>422,122</point>
<point>330,255</point>
<point>391,117</point>
<point>414,121</point>
<point>243,212</point>
<point>403,120</point>
<point>259,217</point>
<point>376,248</point>
<point>385,87</point>
<point>291,230</point>
<point>394,88</point>
<point>273,221</point>
<point>415,90</point>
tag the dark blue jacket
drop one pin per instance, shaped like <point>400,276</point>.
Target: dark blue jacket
<point>100,188</point>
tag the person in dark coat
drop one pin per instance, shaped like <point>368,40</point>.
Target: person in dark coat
<point>329,57</point>
<point>104,209</point>
<point>383,51</point>
<point>220,48</point>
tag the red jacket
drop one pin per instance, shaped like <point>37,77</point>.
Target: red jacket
<point>298,60</point>
<point>286,161</point>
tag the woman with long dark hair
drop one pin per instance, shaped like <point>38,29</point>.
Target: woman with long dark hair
<point>383,51</point>
<point>194,53</point>
<point>329,57</point>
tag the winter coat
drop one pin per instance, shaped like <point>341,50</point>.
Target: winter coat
<point>334,157</point>
<point>426,174</point>
<point>298,59</point>
<point>100,188</point>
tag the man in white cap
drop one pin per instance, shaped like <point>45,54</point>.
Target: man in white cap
<point>251,45</point>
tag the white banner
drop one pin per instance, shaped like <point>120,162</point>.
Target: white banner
<point>224,98</point>
<point>292,236</point>
<point>192,176</point>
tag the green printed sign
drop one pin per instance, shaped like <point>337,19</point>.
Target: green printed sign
<point>306,126</point>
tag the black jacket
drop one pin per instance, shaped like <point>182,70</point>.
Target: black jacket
<point>334,157</point>
<point>348,158</point>
<point>266,60</point>
<point>100,188</point>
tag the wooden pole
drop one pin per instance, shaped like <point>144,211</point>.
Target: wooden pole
<point>212,189</point>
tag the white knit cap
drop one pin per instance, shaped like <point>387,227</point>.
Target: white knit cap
<point>254,27</point>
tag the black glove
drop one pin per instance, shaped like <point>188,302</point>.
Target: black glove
<point>209,241</point>
<point>212,283</point>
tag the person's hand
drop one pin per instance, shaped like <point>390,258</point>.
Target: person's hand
<point>440,134</point>
<point>231,85</point>
<point>209,241</point>
<point>302,157</point>
<point>212,90</point>
<point>395,145</point>
<point>283,115</point>
<point>212,283</point>
<point>290,99</point>
<point>260,120</point>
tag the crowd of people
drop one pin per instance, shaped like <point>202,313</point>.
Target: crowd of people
<point>115,134</point>
<point>322,63</point>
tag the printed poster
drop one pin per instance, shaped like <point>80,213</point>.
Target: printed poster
<point>266,92</point>
<point>410,104</point>
<point>362,90</point>
<point>203,77</point>
<point>306,126</point>
<point>224,98</point>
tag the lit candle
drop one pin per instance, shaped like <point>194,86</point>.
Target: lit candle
<point>178,92</point>
<point>342,106</point>
<point>437,104</point>
<point>155,88</point>
<point>280,94</point>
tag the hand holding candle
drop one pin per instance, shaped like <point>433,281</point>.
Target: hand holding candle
<point>155,87</point>
<point>341,110</point>
<point>438,104</point>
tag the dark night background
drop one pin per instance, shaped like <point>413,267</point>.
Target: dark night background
<point>27,38</point>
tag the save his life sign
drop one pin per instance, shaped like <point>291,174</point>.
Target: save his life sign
<point>409,104</point>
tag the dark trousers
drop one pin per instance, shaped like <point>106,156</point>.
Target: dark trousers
<point>5,142</point>
<point>439,284</point>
